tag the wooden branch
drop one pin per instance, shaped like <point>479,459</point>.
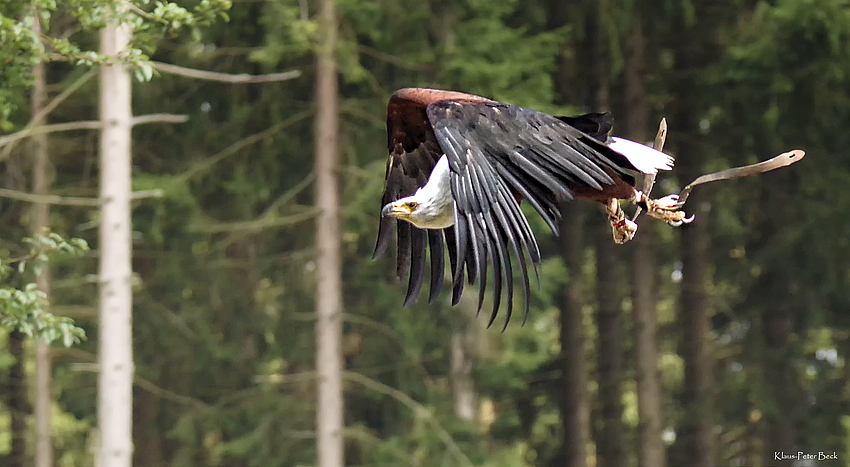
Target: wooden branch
<point>160,118</point>
<point>419,410</point>
<point>242,78</point>
<point>392,59</point>
<point>256,225</point>
<point>205,165</point>
<point>649,180</point>
<point>271,209</point>
<point>86,125</point>
<point>658,145</point>
<point>41,115</point>
<point>69,200</point>
<point>53,128</point>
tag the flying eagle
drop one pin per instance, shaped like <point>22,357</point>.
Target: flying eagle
<point>460,164</point>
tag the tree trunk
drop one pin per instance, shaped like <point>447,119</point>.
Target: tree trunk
<point>609,351</point>
<point>771,294</point>
<point>41,183</point>
<point>464,397</point>
<point>329,417</point>
<point>463,388</point>
<point>115,395</point>
<point>147,434</point>
<point>570,86</point>
<point>650,444</point>
<point>575,416</point>
<point>780,378</point>
<point>696,440</point>
<point>15,398</point>
<point>695,443</point>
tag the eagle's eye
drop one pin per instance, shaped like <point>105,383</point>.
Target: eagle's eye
<point>412,205</point>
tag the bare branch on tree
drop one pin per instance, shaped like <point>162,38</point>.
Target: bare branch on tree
<point>256,225</point>
<point>417,408</point>
<point>241,78</point>
<point>69,200</point>
<point>41,115</point>
<point>85,125</point>
<point>658,144</point>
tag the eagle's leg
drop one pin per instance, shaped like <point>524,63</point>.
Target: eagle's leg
<point>622,228</point>
<point>668,209</point>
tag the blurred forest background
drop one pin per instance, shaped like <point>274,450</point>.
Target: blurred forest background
<point>717,343</point>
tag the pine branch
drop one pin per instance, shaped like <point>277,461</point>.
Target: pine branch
<point>658,144</point>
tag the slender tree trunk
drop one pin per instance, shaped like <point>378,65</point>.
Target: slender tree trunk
<point>696,441</point>
<point>15,398</point>
<point>329,418</point>
<point>609,351</point>
<point>115,391</point>
<point>570,87</point>
<point>782,412</point>
<point>146,431</point>
<point>575,416</point>
<point>464,397</point>
<point>609,321</point>
<point>650,444</point>
<point>41,183</point>
<point>780,378</point>
<point>463,388</point>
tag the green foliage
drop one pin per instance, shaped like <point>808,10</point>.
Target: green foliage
<point>24,309</point>
<point>21,46</point>
<point>15,67</point>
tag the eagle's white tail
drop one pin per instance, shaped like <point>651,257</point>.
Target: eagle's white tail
<point>642,157</point>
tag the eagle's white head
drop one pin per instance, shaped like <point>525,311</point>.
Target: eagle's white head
<point>431,207</point>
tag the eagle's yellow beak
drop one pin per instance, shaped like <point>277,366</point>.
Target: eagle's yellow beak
<point>398,209</point>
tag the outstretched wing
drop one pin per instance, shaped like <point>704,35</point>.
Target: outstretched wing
<point>413,153</point>
<point>498,152</point>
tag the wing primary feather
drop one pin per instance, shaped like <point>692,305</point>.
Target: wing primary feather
<point>451,246</point>
<point>478,243</point>
<point>570,171</point>
<point>519,246</point>
<point>520,223</point>
<point>417,265</point>
<point>384,234</point>
<point>528,242</point>
<point>501,268</point>
<point>403,259</point>
<point>540,175</point>
<point>461,231</point>
<point>485,187</point>
<point>435,246</point>
<point>474,191</point>
<point>535,203</point>
<point>519,251</point>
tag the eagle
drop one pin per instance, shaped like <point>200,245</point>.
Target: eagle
<point>459,165</point>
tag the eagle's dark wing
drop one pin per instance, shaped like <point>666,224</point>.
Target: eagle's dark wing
<point>413,152</point>
<point>497,152</point>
